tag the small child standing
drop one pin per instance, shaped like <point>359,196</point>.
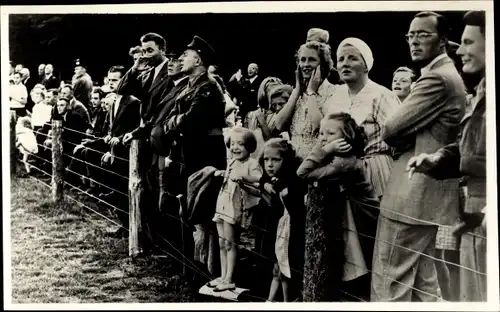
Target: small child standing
<point>233,210</point>
<point>283,190</point>
<point>25,140</point>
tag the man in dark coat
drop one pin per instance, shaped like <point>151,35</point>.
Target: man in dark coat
<point>196,121</point>
<point>194,126</point>
<point>148,83</point>
<point>82,84</point>
<point>152,130</point>
<point>49,80</point>
<point>247,91</point>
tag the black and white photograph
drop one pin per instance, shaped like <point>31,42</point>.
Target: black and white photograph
<point>281,154</point>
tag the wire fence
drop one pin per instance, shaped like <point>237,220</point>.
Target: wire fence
<point>180,256</point>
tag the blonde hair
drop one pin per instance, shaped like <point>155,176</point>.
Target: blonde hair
<point>325,56</point>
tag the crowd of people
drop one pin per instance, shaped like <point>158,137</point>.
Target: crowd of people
<point>407,164</point>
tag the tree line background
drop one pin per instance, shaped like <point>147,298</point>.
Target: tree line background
<point>269,39</point>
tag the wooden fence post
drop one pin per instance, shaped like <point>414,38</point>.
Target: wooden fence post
<point>13,153</point>
<point>136,200</point>
<point>57,161</point>
<point>324,243</point>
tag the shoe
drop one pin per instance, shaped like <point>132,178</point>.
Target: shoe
<point>215,282</point>
<point>223,286</point>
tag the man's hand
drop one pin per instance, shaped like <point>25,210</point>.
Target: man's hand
<point>127,138</point>
<point>114,142</point>
<point>469,222</point>
<point>106,159</point>
<point>77,148</point>
<point>422,163</point>
<point>107,138</point>
<point>219,173</point>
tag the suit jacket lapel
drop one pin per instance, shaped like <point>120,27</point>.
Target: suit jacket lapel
<point>162,75</point>
<point>121,108</point>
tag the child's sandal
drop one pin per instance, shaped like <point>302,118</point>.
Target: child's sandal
<point>215,282</point>
<point>223,286</point>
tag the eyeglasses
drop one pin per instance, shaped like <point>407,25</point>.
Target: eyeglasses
<point>421,36</point>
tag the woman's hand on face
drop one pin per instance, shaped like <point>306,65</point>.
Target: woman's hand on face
<point>298,78</point>
<point>314,82</point>
<point>339,146</point>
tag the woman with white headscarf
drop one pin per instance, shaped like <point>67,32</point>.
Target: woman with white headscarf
<point>368,103</point>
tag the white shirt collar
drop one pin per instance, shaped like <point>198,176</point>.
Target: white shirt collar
<point>158,68</point>
<point>427,68</point>
<point>116,104</point>
<point>253,78</point>
<point>176,82</point>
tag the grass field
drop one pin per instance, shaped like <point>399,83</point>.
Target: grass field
<point>63,254</point>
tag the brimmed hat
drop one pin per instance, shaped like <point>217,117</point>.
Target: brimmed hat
<point>206,52</point>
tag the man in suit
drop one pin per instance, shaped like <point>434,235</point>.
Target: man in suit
<point>152,131</point>
<point>82,84</point>
<point>123,117</point>
<point>247,93</point>
<point>148,83</point>
<point>74,127</point>
<point>49,80</point>
<point>410,209</point>
<point>467,158</point>
<point>75,105</point>
<point>41,73</point>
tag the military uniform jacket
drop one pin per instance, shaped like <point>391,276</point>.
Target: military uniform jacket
<point>195,125</point>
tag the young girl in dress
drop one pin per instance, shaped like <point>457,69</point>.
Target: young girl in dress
<point>337,158</point>
<point>233,210</point>
<point>25,140</point>
<point>284,191</point>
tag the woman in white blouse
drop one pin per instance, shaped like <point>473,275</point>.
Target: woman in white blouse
<point>368,103</point>
<point>306,106</point>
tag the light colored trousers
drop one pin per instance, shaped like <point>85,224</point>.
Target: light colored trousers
<point>400,274</point>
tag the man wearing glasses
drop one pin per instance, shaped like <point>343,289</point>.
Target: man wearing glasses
<point>412,209</point>
<point>467,158</point>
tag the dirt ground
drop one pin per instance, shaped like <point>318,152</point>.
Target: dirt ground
<point>63,254</point>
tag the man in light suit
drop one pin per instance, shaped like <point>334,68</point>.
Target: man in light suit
<point>467,158</point>
<point>410,210</point>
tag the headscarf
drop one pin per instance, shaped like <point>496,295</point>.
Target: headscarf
<point>362,47</point>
